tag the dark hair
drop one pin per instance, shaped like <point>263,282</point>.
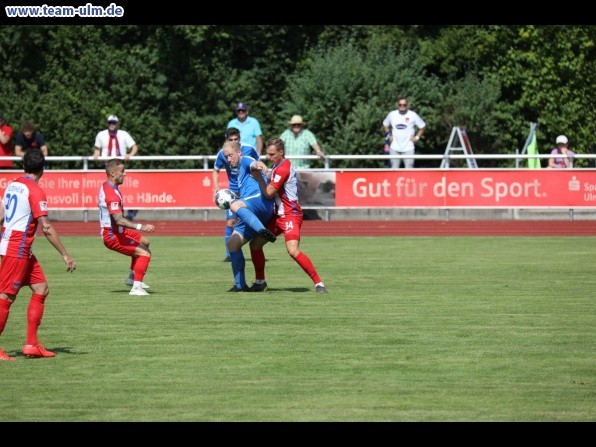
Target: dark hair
<point>231,131</point>
<point>28,125</point>
<point>33,161</point>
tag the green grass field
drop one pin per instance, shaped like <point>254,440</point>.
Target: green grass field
<point>412,329</point>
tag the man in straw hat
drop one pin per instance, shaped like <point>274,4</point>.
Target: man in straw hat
<point>299,141</point>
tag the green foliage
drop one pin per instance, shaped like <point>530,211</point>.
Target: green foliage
<point>174,87</point>
<point>344,94</point>
<point>548,75</point>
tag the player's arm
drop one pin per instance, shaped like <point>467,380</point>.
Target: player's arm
<point>51,235</point>
<point>256,170</point>
<point>126,223</point>
<point>215,180</point>
<point>1,212</point>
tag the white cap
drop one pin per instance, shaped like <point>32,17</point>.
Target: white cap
<point>562,139</point>
<point>112,118</point>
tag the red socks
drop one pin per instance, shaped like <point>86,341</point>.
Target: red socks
<point>4,311</point>
<point>34,314</point>
<point>140,267</point>
<point>307,265</point>
<point>258,260</point>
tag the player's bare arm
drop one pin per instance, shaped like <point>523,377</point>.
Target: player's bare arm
<point>52,236</point>
<point>126,223</point>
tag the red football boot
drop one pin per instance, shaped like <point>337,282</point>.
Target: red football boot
<point>37,351</point>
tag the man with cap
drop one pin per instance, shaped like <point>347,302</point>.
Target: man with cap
<point>115,143</point>
<point>561,156</point>
<point>299,141</point>
<point>5,143</point>
<point>249,127</point>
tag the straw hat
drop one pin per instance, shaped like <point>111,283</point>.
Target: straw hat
<point>296,119</point>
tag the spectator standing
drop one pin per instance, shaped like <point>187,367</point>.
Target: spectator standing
<point>121,234</point>
<point>115,143</point>
<point>28,138</point>
<point>283,187</point>
<point>24,207</point>
<point>406,128</point>
<point>558,162</point>
<point>5,143</point>
<point>300,141</point>
<point>249,127</point>
<point>253,210</point>
<point>232,134</point>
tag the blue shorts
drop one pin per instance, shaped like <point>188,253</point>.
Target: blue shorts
<point>230,214</point>
<point>262,208</point>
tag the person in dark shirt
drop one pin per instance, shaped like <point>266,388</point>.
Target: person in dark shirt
<point>27,138</point>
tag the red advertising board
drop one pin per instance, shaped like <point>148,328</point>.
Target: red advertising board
<point>417,188</point>
<point>73,190</point>
<point>477,188</point>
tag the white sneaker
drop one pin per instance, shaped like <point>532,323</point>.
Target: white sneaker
<point>138,292</point>
<point>130,282</point>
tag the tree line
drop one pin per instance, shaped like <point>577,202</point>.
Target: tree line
<point>174,87</point>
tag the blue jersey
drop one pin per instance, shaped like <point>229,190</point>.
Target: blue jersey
<point>221,161</point>
<point>250,191</point>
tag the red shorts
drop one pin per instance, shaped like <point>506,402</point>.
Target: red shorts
<point>125,242</point>
<point>16,273</point>
<point>288,225</point>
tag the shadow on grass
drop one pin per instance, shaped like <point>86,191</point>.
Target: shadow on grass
<point>63,350</point>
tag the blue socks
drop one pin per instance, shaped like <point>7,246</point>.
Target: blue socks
<point>238,265</point>
<point>228,234</point>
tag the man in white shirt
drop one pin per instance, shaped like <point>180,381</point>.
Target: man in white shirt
<point>113,142</point>
<point>406,128</point>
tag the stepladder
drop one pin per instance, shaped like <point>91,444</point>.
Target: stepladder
<point>459,144</point>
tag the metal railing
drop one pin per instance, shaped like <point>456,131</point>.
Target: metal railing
<point>207,160</point>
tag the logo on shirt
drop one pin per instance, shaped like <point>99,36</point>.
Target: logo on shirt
<point>277,178</point>
<point>114,205</point>
<point>43,206</point>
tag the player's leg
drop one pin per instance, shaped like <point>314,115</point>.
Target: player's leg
<point>291,227</point>
<point>253,213</point>
<point>36,279</point>
<point>258,256</point>
<point>237,240</point>
<point>6,301</point>
<point>141,258</point>
<point>12,275</point>
<point>231,220</point>
<point>132,243</point>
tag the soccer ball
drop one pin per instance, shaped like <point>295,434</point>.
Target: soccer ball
<point>224,198</point>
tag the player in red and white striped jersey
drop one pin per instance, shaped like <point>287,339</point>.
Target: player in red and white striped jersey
<point>24,207</point>
<point>283,186</point>
<point>118,232</point>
